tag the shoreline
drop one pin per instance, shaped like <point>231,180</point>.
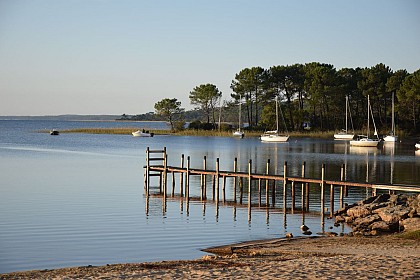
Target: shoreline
<point>379,257</point>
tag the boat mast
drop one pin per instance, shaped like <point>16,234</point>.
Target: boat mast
<point>277,114</point>
<point>240,105</point>
<point>368,117</point>
<point>393,121</point>
<point>347,102</point>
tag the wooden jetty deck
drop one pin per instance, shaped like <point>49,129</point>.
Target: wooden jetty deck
<point>156,165</point>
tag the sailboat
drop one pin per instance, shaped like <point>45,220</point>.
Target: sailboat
<point>391,137</point>
<point>364,140</point>
<point>239,132</point>
<point>274,136</point>
<point>344,135</point>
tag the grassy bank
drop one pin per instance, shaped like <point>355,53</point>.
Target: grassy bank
<point>129,130</point>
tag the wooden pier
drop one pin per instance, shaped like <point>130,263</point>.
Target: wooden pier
<point>156,165</point>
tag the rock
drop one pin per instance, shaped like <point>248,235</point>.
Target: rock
<point>393,214</point>
<point>382,214</point>
<point>303,228</point>
<point>307,232</point>
<point>384,227</point>
<point>410,224</point>
<point>366,221</point>
<point>289,235</point>
<point>358,211</point>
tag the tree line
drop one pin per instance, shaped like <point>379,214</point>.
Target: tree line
<point>308,93</point>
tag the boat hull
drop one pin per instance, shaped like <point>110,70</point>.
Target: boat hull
<point>274,138</point>
<point>341,136</point>
<point>142,134</point>
<point>391,138</point>
<point>239,134</point>
<point>365,143</point>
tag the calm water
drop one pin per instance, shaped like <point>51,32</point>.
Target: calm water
<point>78,199</point>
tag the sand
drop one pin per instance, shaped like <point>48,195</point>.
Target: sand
<point>383,257</point>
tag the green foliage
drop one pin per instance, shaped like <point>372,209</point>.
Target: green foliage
<point>169,108</point>
<point>206,97</point>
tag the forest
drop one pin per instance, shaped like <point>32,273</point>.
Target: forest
<point>312,93</point>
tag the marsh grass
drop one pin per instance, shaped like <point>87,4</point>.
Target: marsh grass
<point>191,132</point>
<point>415,234</point>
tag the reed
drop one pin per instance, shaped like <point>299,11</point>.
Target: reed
<point>415,234</point>
<point>215,133</point>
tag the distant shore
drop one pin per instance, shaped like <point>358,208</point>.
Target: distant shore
<point>379,257</point>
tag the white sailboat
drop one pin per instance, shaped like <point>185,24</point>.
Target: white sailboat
<point>239,133</point>
<point>364,140</point>
<point>344,135</point>
<point>274,135</point>
<point>391,137</point>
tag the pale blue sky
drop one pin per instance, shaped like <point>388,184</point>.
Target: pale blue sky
<point>115,57</point>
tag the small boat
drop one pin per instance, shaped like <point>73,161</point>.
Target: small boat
<point>142,133</point>
<point>54,132</point>
<point>344,135</point>
<point>391,137</point>
<point>364,140</point>
<point>274,135</point>
<point>239,133</point>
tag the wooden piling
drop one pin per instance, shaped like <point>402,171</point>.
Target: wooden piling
<point>235,181</point>
<point>181,179</point>
<point>322,189</point>
<point>331,200</point>
<point>249,188</point>
<point>187,180</point>
<point>341,186</point>
<point>303,187</point>
<point>217,180</point>
<point>267,196</point>
<point>285,186</point>
<point>165,174</point>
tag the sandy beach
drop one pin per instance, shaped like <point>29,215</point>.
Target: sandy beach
<point>379,257</point>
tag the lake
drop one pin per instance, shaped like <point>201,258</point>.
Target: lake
<point>78,199</point>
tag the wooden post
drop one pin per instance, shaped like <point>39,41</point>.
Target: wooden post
<point>224,189</point>
<point>173,183</point>
<point>331,200</point>
<point>147,170</point>
<point>165,174</point>
<point>217,180</point>
<point>259,192</point>
<point>285,186</point>
<point>187,181</point>
<point>293,196</point>
<point>241,189</point>
<point>303,187</point>
<point>322,189</point>
<point>213,180</point>
<point>235,167</point>
<point>267,195</point>
<point>205,179</point>
<point>342,187</point>
<point>249,188</point>
<point>181,179</point>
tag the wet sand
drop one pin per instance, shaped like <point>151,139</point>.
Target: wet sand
<point>379,257</point>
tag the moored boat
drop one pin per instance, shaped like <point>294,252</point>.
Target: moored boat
<point>364,140</point>
<point>142,133</point>
<point>274,135</point>
<point>391,137</point>
<point>344,134</point>
<point>54,132</point>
